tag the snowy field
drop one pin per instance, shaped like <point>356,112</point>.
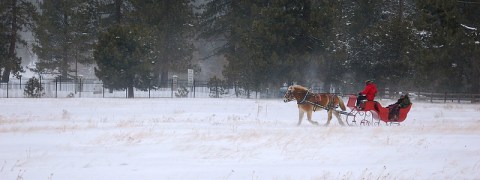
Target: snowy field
<point>96,138</point>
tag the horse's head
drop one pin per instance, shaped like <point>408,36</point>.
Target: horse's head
<point>289,94</point>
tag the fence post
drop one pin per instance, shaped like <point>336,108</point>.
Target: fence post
<point>56,86</point>
<point>235,89</point>
<point>7,89</point>
<point>194,88</point>
<point>216,88</point>
<point>445,98</point>
<point>60,82</point>
<point>431,97</point>
<point>40,80</point>
<point>80,90</point>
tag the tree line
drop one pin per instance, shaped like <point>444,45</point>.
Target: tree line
<point>400,44</point>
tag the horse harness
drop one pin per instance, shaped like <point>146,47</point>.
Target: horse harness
<point>318,97</point>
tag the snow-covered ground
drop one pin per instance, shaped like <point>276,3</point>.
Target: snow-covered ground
<point>165,138</point>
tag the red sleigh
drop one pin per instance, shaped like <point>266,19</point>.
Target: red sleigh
<point>372,112</point>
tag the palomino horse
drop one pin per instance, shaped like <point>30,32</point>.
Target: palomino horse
<point>309,102</point>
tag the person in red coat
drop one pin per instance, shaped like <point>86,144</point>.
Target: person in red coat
<point>368,93</point>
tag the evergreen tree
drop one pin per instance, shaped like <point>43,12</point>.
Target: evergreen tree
<point>394,45</point>
<point>3,48</point>
<point>365,14</point>
<point>395,42</point>
<point>268,42</point>
<point>120,55</point>
<point>280,40</point>
<point>450,46</point>
<point>33,88</point>
<point>65,36</point>
<point>15,16</point>
<point>171,23</point>
<point>382,42</point>
<point>111,13</point>
<point>329,29</point>
<point>230,20</point>
<point>470,49</point>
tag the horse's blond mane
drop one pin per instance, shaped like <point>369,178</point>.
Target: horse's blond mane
<point>298,87</point>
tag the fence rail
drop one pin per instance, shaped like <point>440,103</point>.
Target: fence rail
<point>449,97</point>
<point>92,88</point>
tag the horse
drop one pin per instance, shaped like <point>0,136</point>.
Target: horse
<point>308,102</point>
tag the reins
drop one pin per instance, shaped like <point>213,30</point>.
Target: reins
<point>316,105</point>
<point>304,98</point>
<point>330,105</point>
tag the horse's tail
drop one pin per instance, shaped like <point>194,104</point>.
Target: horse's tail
<point>341,104</point>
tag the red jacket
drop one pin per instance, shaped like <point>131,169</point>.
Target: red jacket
<point>370,91</point>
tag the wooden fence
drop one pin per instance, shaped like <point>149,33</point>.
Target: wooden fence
<point>448,97</point>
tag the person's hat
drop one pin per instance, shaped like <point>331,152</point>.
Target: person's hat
<point>368,81</point>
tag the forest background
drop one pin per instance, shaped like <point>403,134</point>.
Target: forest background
<point>415,45</point>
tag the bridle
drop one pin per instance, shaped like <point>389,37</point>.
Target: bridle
<point>289,96</point>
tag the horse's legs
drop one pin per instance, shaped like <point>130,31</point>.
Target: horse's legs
<point>329,117</point>
<point>309,117</point>
<point>337,114</point>
<point>300,116</point>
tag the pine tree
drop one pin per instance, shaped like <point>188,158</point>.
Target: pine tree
<point>395,42</point>
<point>120,55</point>
<point>365,14</point>
<point>268,42</point>
<point>329,29</point>
<point>65,36</point>
<point>15,16</point>
<point>3,48</point>
<point>33,88</point>
<point>449,46</point>
<point>279,41</point>
<point>230,21</point>
<point>381,42</point>
<point>171,23</point>
<point>470,22</point>
<point>396,48</point>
